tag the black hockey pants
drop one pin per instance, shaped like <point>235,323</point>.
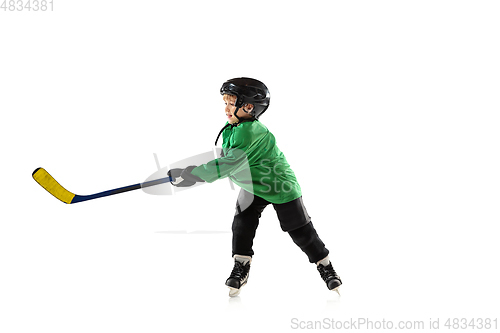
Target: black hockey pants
<point>293,219</point>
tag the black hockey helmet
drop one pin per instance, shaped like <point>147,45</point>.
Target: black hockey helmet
<point>249,91</point>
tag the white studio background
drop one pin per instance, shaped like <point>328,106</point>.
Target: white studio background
<point>386,110</point>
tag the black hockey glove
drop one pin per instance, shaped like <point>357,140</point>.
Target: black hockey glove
<point>184,177</point>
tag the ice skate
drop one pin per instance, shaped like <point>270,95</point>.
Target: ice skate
<point>330,277</point>
<point>239,275</point>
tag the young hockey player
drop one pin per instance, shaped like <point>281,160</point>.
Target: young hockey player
<point>270,180</point>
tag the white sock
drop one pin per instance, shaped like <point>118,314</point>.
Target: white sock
<point>242,259</point>
<point>324,261</point>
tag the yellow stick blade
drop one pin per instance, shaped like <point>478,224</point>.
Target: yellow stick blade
<point>48,182</point>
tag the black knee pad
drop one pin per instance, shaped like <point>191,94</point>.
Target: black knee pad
<point>309,242</point>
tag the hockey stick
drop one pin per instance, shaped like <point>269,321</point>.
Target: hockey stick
<point>48,182</point>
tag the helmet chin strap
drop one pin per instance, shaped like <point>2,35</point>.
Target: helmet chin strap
<point>229,124</point>
<point>235,124</point>
<point>236,114</point>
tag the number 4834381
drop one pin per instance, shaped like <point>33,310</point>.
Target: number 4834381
<point>27,5</point>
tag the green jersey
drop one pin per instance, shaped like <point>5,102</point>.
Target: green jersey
<point>253,161</point>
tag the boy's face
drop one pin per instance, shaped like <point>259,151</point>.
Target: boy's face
<point>231,108</point>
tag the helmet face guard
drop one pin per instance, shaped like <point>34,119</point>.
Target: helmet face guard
<point>248,91</point>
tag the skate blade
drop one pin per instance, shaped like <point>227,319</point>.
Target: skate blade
<point>233,292</point>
